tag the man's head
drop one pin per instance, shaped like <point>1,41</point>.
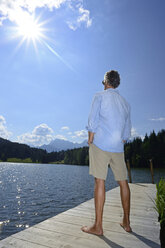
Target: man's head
<point>111,79</point>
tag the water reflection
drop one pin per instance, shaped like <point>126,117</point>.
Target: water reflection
<point>31,193</point>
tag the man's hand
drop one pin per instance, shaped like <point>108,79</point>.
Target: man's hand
<point>90,138</point>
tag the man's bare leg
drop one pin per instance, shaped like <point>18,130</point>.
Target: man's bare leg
<point>99,197</point>
<point>125,199</point>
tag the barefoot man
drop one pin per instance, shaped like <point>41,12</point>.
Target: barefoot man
<point>109,127</point>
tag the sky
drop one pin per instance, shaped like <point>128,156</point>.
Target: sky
<point>53,57</point>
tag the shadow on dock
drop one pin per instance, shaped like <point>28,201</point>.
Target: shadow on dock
<point>148,242</point>
<point>142,185</point>
<point>111,243</point>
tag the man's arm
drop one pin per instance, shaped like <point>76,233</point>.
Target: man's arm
<point>93,118</point>
<point>90,137</point>
<point>127,129</point>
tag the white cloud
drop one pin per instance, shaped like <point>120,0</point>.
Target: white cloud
<point>71,25</point>
<point>69,133</point>
<point>2,120</point>
<point>12,9</point>
<point>4,133</point>
<point>58,136</point>
<point>84,17</point>
<point>73,137</point>
<point>65,128</point>
<point>16,10</point>
<point>81,15</point>
<point>42,130</point>
<point>41,134</point>
<point>135,134</point>
<point>1,20</point>
<point>158,119</point>
<point>81,134</point>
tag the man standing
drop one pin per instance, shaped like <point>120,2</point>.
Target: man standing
<point>109,127</point>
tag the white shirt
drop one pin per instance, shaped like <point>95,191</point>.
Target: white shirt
<point>109,119</point>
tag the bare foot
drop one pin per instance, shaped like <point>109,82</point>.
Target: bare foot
<point>127,228</point>
<point>92,230</point>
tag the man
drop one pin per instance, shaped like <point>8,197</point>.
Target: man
<point>109,127</point>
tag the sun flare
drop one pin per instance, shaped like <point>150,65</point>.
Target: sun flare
<point>29,28</point>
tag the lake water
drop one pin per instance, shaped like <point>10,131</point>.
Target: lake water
<point>31,193</point>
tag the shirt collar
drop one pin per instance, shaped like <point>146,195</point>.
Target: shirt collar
<point>113,90</point>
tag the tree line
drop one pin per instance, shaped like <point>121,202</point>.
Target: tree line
<point>15,152</point>
<point>137,151</point>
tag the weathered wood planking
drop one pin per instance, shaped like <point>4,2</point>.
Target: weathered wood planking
<point>63,230</point>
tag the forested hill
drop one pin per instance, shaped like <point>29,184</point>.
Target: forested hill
<point>15,152</point>
<point>10,149</point>
<point>138,152</point>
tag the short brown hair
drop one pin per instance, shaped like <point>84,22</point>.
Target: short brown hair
<point>112,78</point>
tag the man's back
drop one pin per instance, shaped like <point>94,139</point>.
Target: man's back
<point>110,120</point>
<point>108,126</point>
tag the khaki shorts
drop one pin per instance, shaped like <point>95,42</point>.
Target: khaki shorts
<point>99,161</point>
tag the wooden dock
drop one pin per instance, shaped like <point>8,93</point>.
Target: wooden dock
<point>63,230</point>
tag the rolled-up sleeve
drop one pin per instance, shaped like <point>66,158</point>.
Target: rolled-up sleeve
<point>128,126</point>
<point>93,118</point>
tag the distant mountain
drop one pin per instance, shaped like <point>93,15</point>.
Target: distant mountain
<point>59,145</point>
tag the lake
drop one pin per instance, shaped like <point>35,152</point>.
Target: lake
<point>31,193</point>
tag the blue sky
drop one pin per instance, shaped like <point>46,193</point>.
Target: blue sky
<point>46,90</point>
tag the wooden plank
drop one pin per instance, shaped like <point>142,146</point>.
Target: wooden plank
<point>49,238</point>
<point>116,218</point>
<point>109,225</point>
<point>64,230</point>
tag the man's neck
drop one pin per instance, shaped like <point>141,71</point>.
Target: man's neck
<point>108,87</point>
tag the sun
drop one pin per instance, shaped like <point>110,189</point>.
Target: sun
<point>29,28</point>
